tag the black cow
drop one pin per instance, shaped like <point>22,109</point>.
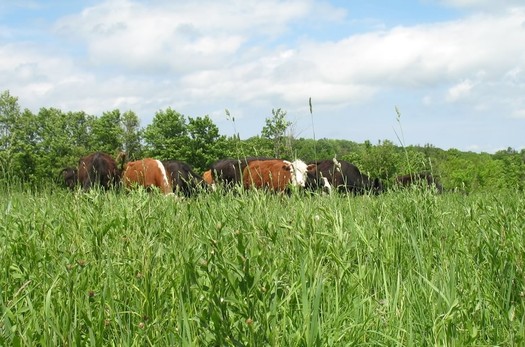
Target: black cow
<point>182,177</point>
<point>343,176</point>
<point>69,177</point>
<point>229,171</point>
<point>420,179</point>
<point>98,169</point>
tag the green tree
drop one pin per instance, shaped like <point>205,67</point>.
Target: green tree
<point>55,147</point>
<point>107,133</point>
<point>18,140</point>
<point>205,142</point>
<point>131,135</point>
<point>167,136</point>
<point>275,131</point>
<point>255,146</point>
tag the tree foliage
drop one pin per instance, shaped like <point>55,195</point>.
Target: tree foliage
<point>275,131</point>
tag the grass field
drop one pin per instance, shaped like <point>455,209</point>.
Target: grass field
<point>402,269</point>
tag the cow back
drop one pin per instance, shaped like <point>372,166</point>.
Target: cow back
<point>147,173</point>
<point>230,171</point>
<point>275,175</point>
<point>98,169</point>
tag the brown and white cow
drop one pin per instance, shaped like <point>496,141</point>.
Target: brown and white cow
<point>229,172</point>
<point>276,175</point>
<point>98,169</point>
<point>147,173</point>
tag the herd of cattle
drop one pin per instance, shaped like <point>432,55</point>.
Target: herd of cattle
<point>174,176</point>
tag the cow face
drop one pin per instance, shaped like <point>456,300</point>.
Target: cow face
<point>299,172</point>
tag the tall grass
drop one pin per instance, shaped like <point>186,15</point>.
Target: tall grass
<point>406,268</point>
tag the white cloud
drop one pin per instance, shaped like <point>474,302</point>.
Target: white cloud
<point>500,5</point>
<point>459,90</point>
<point>177,36</point>
<point>519,113</point>
<point>243,55</point>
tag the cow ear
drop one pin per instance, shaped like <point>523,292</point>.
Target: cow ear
<point>311,167</point>
<point>287,167</point>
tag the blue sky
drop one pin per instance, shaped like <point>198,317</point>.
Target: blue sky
<point>453,68</point>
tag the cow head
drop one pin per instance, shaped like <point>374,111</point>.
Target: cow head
<point>70,177</point>
<point>299,171</point>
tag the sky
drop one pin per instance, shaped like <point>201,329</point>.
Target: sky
<point>449,73</point>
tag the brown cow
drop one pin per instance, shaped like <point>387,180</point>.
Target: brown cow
<point>148,173</point>
<point>276,175</point>
<point>228,172</point>
<point>98,169</point>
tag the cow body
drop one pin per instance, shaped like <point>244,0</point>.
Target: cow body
<point>147,173</point>
<point>421,179</point>
<point>208,177</point>
<point>343,176</point>
<point>229,172</point>
<point>98,169</point>
<point>182,177</point>
<point>276,175</point>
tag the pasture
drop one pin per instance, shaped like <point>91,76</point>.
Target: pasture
<point>407,268</point>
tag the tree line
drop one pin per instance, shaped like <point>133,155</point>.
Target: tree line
<point>34,147</point>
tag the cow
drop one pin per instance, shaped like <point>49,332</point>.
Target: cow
<point>343,176</point>
<point>69,177</point>
<point>276,175</point>
<point>229,172</point>
<point>182,177</point>
<point>98,169</point>
<point>420,179</point>
<point>147,173</point>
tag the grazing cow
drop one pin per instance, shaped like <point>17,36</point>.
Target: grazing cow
<point>229,172</point>
<point>182,177</point>
<point>69,177</point>
<point>342,175</point>
<point>276,175</point>
<point>421,179</point>
<point>98,169</point>
<point>147,173</point>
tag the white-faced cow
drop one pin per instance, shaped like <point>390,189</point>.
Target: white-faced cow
<point>147,173</point>
<point>182,177</point>
<point>229,172</point>
<point>343,176</point>
<point>98,169</point>
<point>420,179</point>
<point>276,175</point>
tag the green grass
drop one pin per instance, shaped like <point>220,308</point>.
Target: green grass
<point>401,269</point>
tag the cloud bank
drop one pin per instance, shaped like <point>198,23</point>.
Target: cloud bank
<point>251,56</point>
